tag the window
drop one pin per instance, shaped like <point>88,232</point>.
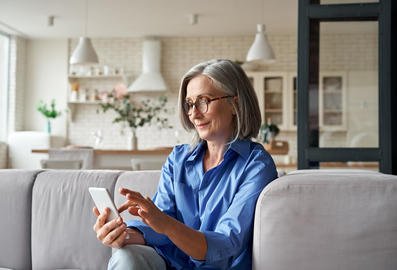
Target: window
<point>362,118</point>
<point>4,72</point>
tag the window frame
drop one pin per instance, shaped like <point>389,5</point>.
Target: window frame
<point>310,14</point>
<point>4,95</point>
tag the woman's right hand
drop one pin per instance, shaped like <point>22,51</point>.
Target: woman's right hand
<point>113,233</point>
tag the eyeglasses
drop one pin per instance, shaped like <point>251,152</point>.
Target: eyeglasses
<point>201,104</point>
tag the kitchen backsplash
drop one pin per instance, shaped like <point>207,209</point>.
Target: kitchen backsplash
<point>179,54</point>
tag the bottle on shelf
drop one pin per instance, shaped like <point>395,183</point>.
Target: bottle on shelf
<point>83,95</point>
<point>91,96</point>
<point>74,95</point>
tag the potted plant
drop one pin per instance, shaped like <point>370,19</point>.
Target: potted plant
<point>269,131</point>
<point>49,112</point>
<point>136,114</point>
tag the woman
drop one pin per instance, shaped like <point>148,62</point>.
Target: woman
<point>202,213</point>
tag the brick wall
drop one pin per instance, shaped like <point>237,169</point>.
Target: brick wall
<point>179,54</point>
<point>17,83</point>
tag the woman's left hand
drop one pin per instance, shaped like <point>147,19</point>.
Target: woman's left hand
<point>143,207</point>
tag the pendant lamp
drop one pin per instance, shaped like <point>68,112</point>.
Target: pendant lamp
<point>260,50</point>
<point>84,52</point>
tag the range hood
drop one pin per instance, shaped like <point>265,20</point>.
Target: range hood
<point>151,78</point>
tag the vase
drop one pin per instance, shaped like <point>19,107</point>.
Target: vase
<point>132,140</point>
<point>48,126</point>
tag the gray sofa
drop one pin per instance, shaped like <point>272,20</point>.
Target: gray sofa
<point>304,220</point>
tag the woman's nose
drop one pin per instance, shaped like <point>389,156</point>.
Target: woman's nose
<point>195,113</point>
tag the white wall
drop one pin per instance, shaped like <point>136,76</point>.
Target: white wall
<point>363,111</point>
<point>46,79</point>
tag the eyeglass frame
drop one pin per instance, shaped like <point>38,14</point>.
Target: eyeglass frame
<point>188,106</point>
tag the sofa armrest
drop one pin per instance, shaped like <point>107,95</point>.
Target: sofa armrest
<point>15,208</point>
<point>327,220</point>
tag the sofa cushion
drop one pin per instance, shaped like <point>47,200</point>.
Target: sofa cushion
<point>15,207</point>
<point>62,220</point>
<point>316,219</point>
<point>145,182</point>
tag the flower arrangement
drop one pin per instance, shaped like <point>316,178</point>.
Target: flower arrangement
<point>49,112</point>
<point>136,114</point>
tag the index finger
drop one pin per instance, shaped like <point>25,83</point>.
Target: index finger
<point>131,202</point>
<point>134,199</point>
<point>124,206</point>
<point>126,191</point>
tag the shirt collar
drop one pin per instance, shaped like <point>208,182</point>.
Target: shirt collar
<point>196,151</point>
<point>241,147</point>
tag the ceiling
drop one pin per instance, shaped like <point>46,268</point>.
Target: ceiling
<point>137,18</point>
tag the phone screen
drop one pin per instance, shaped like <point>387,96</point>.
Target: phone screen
<point>102,199</point>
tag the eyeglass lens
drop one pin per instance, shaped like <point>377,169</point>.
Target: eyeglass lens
<point>201,104</point>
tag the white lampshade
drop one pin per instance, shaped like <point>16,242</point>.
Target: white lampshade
<point>84,53</point>
<point>260,49</point>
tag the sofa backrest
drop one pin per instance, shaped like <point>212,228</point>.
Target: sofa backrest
<point>47,220</point>
<point>316,219</point>
<point>143,181</point>
<point>62,220</point>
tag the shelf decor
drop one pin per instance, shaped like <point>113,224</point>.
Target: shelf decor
<point>136,114</point>
<point>49,112</point>
<point>269,131</point>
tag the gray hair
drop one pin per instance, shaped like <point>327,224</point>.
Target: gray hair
<point>231,79</point>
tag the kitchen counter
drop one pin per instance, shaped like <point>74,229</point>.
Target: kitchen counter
<point>120,159</point>
<point>154,151</point>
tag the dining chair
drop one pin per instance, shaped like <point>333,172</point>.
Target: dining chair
<point>61,164</point>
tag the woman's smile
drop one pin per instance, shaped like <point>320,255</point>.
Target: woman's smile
<point>201,125</point>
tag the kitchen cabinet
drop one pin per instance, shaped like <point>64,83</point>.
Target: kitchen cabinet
<point>277,96</point>
<point>271,90</point>
<point>332,101</point>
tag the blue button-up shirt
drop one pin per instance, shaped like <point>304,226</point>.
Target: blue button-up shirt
<point>220,203</point>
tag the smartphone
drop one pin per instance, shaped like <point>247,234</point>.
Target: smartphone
<point>102,200</point>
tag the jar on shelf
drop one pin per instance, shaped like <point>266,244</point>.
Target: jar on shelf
<point>83,95</point>
<point>74,95</point>
<point>106,70</point>
<point>98,71</point>
<point>96,93</point>
<point>91,95</point>
<point>74,86</point>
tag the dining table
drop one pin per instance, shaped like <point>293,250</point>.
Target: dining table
<point>119,159</point>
